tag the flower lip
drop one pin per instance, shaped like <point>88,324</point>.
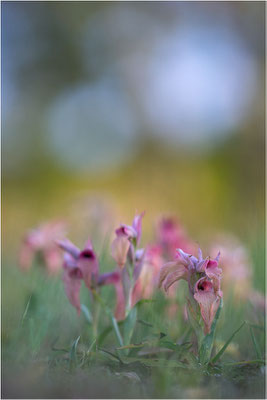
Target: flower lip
<point>87,254</point>
<point>205,285</point>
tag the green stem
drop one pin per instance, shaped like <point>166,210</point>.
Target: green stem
<point>96,317</point>
<point>110,314</point>
<point>130,268</point>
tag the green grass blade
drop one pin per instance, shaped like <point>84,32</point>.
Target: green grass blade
<point>261,328</point>
<point>91,347</point>
<point>141,321</point>
<point>26,310</point>
<point>73,353</point>
<point>87,314</point>
<point>117,330</point>
<point>112,355</point>
<point>129,325</point>
<point>230,364</point>
<point>255,343</point>
<point>110,314</point>
<point>220,352</point>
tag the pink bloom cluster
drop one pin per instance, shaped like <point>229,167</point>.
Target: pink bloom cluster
<point>42,241</point>
<point>139,271</point>
<point>170,235</point>
<point>203,277</point>
<point>130,260</point>
<point>237,271</point>
<point>82,265</point>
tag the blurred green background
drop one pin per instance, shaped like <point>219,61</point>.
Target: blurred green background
<point>142,106</point>
<point>158,106</point>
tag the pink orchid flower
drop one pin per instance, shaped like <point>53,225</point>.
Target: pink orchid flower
<point>173,271</point>
<point>203,277</point>
<point>126,235</point>
<point>185,265</point>
<point>236,265</point>
<point>207,265</point>
<point>137,226</point>
<point>72,278</point>
<point>85,260</point>
<point>148,278</point>
<point>171,235</point>
<point>119,249</point>
<point>42,240</point>
<point>78,265</point>
<point>114,278</point>
<point>83,265</point>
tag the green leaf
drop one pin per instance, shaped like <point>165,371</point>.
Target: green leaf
<point>129,325</point>
<point>112,355</point>
<point>88,353</point>
<point>232,364</point>
<point>26,310</point>
<point>261,328</point>
<point>91,347</point>
<point>133,346</point>
<point>192,359</point>
<point>140,321</point>
<point>220,353</point>
<point>193,321</point>
<point>255,344</point>
<point>141,302</point>
<point>207,343</point>
<point>174,346</point>
<point>110,314</point>
<point>73,353</point>
<point>103,335</point>
<point>87,314</point>
<point>117,330</point>
<point>168,345</point>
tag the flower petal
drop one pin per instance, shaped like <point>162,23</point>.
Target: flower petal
<point>167,269</point>
<point>69,247</point>
<point>137,225</point>
<point>110,278</point>
<point>212,269</point>
<point>180,273</point>
<point>119,250</point>
<point>72,286</point>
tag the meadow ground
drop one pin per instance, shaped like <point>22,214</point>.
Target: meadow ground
<point>50,352</point>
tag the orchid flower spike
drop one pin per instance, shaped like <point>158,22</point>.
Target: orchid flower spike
<point>78,265</point>
<point>86,260</point>
<point>203,277</point>
<point>126,235</point>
